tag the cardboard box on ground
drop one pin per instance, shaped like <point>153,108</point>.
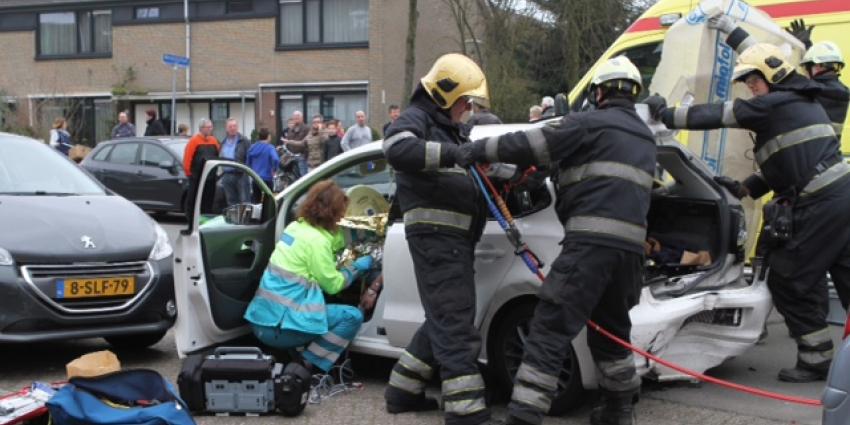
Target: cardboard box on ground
<point>696,67</point>
<point>93,364</point>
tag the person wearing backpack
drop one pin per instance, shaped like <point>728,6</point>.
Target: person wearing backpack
<point>201,147</point>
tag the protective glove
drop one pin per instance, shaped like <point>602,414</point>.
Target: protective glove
<point>657,105</point>
<point>357,268</point>
<point>737,188</point>
<point>722,22</point>
<point>464,155</point>
<point>363,264</point>
<point>799,30</point>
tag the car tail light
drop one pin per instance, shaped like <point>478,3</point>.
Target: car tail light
<point>847,326</point>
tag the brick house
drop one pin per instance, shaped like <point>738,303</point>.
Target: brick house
<point>254,60</point>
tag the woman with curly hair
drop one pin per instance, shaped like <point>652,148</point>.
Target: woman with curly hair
<point>289,309</point>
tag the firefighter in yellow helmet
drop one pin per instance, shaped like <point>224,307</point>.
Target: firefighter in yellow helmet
<point>799,158</point>
<point>604,162</point>
<point>823,62</point>
<point>444,216</point>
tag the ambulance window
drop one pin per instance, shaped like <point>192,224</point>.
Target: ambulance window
<point>646,58</point>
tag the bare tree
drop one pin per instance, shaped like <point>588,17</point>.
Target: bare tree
<point>410,54</point>
<point>534,48</point>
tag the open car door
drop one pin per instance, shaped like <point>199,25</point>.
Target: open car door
<point>219,260</point>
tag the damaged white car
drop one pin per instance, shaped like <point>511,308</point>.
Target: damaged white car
<point>697,312</point>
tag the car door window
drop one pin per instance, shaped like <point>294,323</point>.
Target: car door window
<point>374,173</point>
<point>124,154</point>
<point>152,156</point>
<point>102,154</point>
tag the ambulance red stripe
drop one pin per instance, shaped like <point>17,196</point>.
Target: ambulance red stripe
<point>777,11</point>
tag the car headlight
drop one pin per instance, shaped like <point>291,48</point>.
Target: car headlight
<point>6,258</point>
<point>162,248</point>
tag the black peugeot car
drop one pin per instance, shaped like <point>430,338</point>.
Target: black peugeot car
<point>76,261</point>
<point>146,170</point>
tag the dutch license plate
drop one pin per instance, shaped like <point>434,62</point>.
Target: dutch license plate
<point>95,287</point>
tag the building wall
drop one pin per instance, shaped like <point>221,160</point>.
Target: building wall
<point>237,55</point>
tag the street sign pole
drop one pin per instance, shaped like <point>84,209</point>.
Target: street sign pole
<point>175,62</point>
<point>174,100</point>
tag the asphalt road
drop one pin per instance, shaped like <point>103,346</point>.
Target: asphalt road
<point>662,404</point>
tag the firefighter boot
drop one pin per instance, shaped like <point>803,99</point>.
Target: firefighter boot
<point>614,408</point>
<point>411,403</point>
<point>804,372</point>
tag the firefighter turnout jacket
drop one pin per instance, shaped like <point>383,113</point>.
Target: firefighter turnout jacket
<point>834,97</point>
<point>604,165</point>
<point>833,94</point>
<point>432,190</point>
<point>795,143</point>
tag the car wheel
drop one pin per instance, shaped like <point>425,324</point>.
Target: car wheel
<point>134,342</point>
<point>506,351</point>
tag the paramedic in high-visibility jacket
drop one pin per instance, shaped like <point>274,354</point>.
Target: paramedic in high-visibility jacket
<point>444,216</point>
<point>288,309</point>
<point>604,162</point>
<point>799,159</point>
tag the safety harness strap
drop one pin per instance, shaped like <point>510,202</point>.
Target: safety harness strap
<point>438,217</point>
<point>607,226</point>
<point>605,169</point>
<point>793,138</point>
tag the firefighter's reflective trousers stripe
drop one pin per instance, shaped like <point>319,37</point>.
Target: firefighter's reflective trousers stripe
<point>443,264</point>
<point>586,281</point>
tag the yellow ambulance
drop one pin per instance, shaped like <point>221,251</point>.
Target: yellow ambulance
<point>642,41</point>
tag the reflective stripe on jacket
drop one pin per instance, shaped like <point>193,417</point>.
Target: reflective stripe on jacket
<point>302,265</point>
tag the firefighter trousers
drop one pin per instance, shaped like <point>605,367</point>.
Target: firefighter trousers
<point>820,243</point>
<point>447,341</point>
<point>586,282</point>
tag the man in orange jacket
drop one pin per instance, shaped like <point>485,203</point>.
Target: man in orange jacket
<point>201,147</point>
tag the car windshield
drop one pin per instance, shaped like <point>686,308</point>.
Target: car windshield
<point>28,167</point>
<point>178,147</point>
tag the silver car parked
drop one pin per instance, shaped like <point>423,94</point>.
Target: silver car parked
<point>695,315</point>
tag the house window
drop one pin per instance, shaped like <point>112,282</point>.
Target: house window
<point>340,106</point>
<point>240,6</point>
<point>147,12</point>
<point>323,22</point>
<point>219,112</point>
<point>87,33</point>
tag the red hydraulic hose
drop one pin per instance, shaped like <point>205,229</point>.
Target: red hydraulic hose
<point>619,341</point>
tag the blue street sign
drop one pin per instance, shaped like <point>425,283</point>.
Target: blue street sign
<point>174,60</point>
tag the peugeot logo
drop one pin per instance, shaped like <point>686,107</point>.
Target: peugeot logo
<point>88,243</point>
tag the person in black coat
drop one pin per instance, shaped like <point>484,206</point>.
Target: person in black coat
<point>155,127</point>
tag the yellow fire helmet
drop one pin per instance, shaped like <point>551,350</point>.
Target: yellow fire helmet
<point>454,76</point>
<point>823,52</point>
<point>614,72</point>
<point>764,58</point>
